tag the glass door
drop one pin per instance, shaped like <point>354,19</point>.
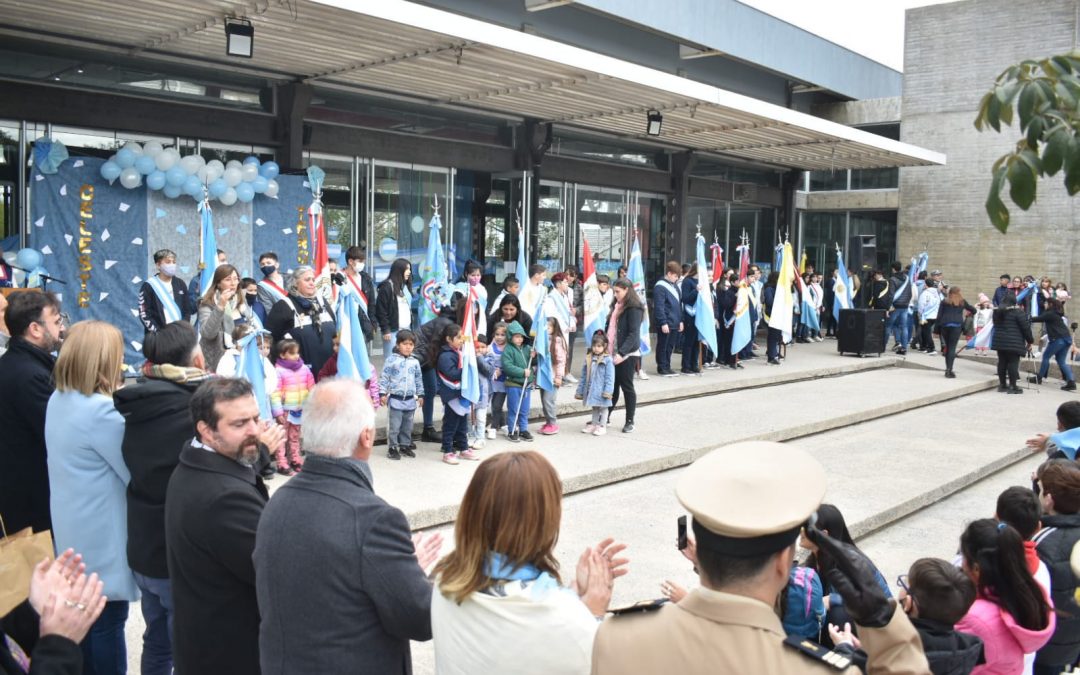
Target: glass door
<point>601,218</point>
<point>552,225</point>
<point>647,215</point>
<point>401,206</point>
<point>340,213</point>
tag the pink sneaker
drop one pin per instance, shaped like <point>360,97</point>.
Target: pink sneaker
<point>589,427</point>
<point>469,455</point>
<point>599,431</point>
<point>549,429</point>
<point>450,458</point>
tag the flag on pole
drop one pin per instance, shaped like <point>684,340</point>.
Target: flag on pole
<point>983,338</point>
<point>432,274</point>
<point>741,330</point>
<point>320,261</point>
<point>778,257</point>
<point>704,315</point>
<point>744,260</point>
<point>802,263</point>
<point>522,269</point>
<point>842,287</point>
<point>207,248</point>
<point>808,315</point>
<point>783,307</point>
<point>545,376</point>
<point>717,261</point>
<point>250,367</point>
<point>352,356</point>
<point>451,261</point>
<point>596,312</point>
<point>470,374</point>
<point>636,274</point>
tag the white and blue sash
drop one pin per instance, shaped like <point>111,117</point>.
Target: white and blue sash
<point>164,293</point>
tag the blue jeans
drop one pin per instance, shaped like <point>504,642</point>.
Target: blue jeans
<point>455,429</point>
<point>431,390</point>
<point>157,611</point>
<point>513,396</point>
<point>388,345</point>
<point>1057,349</point>
<point>104,649</point>
<point>899,327</point>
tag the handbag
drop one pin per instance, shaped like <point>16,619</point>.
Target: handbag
<point>19,554</point>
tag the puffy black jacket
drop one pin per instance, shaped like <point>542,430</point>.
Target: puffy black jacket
<point>948,651</point>
<point>157,423</point>
<point>881,293</point>
<point>1056,328</point>
<point>1012,331</point>
<point>628,331</point>
<point>1054,544</point>
<point>386,308</point>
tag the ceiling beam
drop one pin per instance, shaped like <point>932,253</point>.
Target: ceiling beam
<point>400,57</point>
<point>636,110</point>
<point>531,86</point>
<point>541,5</point>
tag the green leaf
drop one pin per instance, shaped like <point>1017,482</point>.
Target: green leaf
<point>1072,166</point>
<point>995,208</point>
<point>980,118</point>
<point>1067,98</point>
<point>993,112</point>
<point>1026,105</point>
<point>1054,151</point>
<point>1006,114</point>
<point>1046,91</point>
<point>1034,132</point>
<point>1021,184</point>
<point>1062,63</point>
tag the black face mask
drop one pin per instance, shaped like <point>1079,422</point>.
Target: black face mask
<point>251,298</point>
<point>267,270</point>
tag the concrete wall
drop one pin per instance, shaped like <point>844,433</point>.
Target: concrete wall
<point>859,113</point>
<point>953,53</point>
<point>848,200</point>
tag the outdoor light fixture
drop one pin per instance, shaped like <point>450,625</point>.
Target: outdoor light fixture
<point>239,38</point>
<point>656,120</point>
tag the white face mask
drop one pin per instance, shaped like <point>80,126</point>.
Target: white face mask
<point>358,267</point>
<point>169,269</point>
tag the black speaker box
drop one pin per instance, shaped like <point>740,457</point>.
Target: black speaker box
<point>862,253</point>
<point>861,331</point>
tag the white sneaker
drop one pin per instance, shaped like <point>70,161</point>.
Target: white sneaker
<point>599,431</point>
<point>642,375</point>
<point>570,378</point>
<point>478,444</point>
<point>491,434</point>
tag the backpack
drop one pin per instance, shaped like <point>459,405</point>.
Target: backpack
<point>801,603</point>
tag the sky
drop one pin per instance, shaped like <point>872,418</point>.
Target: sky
<point>874,28</point>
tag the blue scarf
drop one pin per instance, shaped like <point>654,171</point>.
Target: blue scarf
<point>497,567</point>
<point>1067,441</point>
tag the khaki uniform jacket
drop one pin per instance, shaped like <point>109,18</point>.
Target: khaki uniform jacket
<point>711,632</point>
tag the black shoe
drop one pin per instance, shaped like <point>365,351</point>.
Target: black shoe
<point>739,365</point>
<point>628,428</point>
<point>407,451</point>
<point>1002,389</point>
<point>525,436</point>
<point>1035,379</point>
<point>267,477</point>
<point>513,437</point>
<point>268,472</point>
<point>901,352</point>
<point>950,374</point>
<point>1069,386</point>
<point>393,453</point>
<point>412,446</point>
<point>430,435</point>
<point>774,362</point>
<point>1015,390</point>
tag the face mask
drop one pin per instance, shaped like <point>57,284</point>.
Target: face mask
<point>358,267</point>
<point>169,269</point>
<point>473,281</point>
<point>267,270</point>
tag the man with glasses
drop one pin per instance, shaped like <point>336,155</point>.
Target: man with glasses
<point>36,327</point>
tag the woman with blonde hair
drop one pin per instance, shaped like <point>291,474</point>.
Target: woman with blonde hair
<point>502,579</point>
<point>221,308</point>
<point>88,478</point>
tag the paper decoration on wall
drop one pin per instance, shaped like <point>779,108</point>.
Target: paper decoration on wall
<point>102,296</point>
<point>46,250</point>
<point>109,263</point>
<point>159,213</point>
<point>105,235</point>
<point>40,222</point>
<point>69,238</point>
<point>63,191</point>
<point>124,207</point>
<point>137,241</point>
<point>136,280</point>
<point>181,229</point>
<point>49,154</point>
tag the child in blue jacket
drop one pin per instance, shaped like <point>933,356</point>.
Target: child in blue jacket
<point>597,384</point>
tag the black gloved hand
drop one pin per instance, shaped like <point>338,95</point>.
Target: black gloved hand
<point>338,278</point>
<point>853,576</point>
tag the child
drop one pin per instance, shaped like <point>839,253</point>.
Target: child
<point>329,370</point>
<point>984,314</point>
<point>510,286</point>
<point>597,384</point>
<point>401,389</point>
<point>296,382</point>
<point>519,380</point>
<point>455,443</point>
<point>479,413</point>
<point>557,349</point>
<point>498,380</point>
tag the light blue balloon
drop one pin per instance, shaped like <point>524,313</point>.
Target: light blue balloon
<point>156,180</point>
<point>176,176</point>
<point>193,187</point>
<point>172,191</point>
<point>251,159</point>
<point>125,158</point>
<point>29,258</point>
<point>269,170</point>
<point>218,187</point>
<point>145,165</point>
<point>244,192</point>
<point>110,171</point>
<point>259,185</point>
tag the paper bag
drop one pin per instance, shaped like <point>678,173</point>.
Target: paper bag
<point>19,554</point>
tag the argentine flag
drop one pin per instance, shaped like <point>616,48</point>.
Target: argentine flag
<point>636,274</point>
<point>207,249</point>
<point>704,316</point>
<point>250,368</point>
<point>808,315</point>
<point>983,338</point>
<point>522,271</point>
<point>596,312</point>
<point>470,374</point>
<point>352,358</point>
<point>545,377</point>
<point>741,330</point>
<point>432,274</point>
<point>842,288</point>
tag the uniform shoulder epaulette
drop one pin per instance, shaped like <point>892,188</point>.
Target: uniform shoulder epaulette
<point>639,607</point>
<point>817,652</point>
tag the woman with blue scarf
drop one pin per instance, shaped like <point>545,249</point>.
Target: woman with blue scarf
<point>500,605</point>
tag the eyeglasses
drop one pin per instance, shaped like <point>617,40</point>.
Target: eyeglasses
<point>902,582</point>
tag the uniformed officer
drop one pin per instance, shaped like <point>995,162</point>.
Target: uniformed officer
<point>749,502</point>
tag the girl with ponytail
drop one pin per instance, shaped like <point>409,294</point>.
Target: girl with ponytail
<point>1011,613</point>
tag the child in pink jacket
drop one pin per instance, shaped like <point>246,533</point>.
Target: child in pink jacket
<point>296,382</point>
<point>1011,614</point>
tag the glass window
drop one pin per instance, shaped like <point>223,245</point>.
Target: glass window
<point>337,203</point>
<point>713,216</point>
<point>9,179</point>
<point>821,232</point>
<point>875,179</point>
<point>496,217</point>
<point>650,211</point>
<point>601,215</point>
<point>822,181</point>
<point>551,226</point>
<point>881,224</point>
<point>461,235</point>
<point>403,207</point>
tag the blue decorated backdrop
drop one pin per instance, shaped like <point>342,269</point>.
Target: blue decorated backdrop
<point>100,238</point>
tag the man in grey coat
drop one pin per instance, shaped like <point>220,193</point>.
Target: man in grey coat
<point>340,583</point>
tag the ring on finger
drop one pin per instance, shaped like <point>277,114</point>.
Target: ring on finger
<point>80,606</point>
<point>69,603</point>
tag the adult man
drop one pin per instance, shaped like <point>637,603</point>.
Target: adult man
<point>369,596</point>
<point>361,285</point>
<point>36,327</point>
<point>667,311</point>
<point>272,286</point>
<point>195,285</point>
<point>898,325</point>
<point>533,291</point>
<point>744,556</point>
<point>163,298</point>
<point>212,509</point>
<point>1002,289</point>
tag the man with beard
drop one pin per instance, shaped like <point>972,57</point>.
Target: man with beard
<point>36,328</point>
<point>212,510</point>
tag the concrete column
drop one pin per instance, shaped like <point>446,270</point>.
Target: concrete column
<point>677,235</point>
<point>293,100</point>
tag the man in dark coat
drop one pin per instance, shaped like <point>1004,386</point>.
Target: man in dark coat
<point>36,329</point>
<point>369,596</point>
<point>212,509</point>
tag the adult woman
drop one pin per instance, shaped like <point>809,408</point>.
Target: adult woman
<point>1011,614</point>
<point>393,303</point>
<point>305,316</point>
<point>87,478</point>
<point>1059,344</point>
<point>502,578</point>
<point>157,423</point>
<point>220,309</point>
<point>509,312</point>
<point>624,341</point>
<point>950,324</point>
<point>1011,339</point>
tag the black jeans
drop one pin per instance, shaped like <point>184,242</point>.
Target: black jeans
<point>690,348</point>
<point>772,347</point>
<point>950,338</point>
<point>926,335</point>
<point>624,380</point>
<point>1008,363</point>
<point>665,343</point>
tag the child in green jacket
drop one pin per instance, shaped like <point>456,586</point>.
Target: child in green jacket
<point>520,377</point>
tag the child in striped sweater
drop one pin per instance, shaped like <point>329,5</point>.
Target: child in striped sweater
<point>296,382</point>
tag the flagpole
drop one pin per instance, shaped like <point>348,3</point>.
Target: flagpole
<point>524,388</point>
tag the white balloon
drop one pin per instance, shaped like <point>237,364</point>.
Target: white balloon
<point>249,172</point>
<point>130,178</point>
<point>271,189</point>
<point>166,160</point>
<point>203,173</point>
<point>134,147</point>
<point>152,149</point>
<point>189,164</point>
<point>214,169</point>
<point>233,164</point>
<point>200,159</point>
<point>229,198</point>
<point>232,176</point>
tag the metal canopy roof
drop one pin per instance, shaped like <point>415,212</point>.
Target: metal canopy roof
<point>401,47</point>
